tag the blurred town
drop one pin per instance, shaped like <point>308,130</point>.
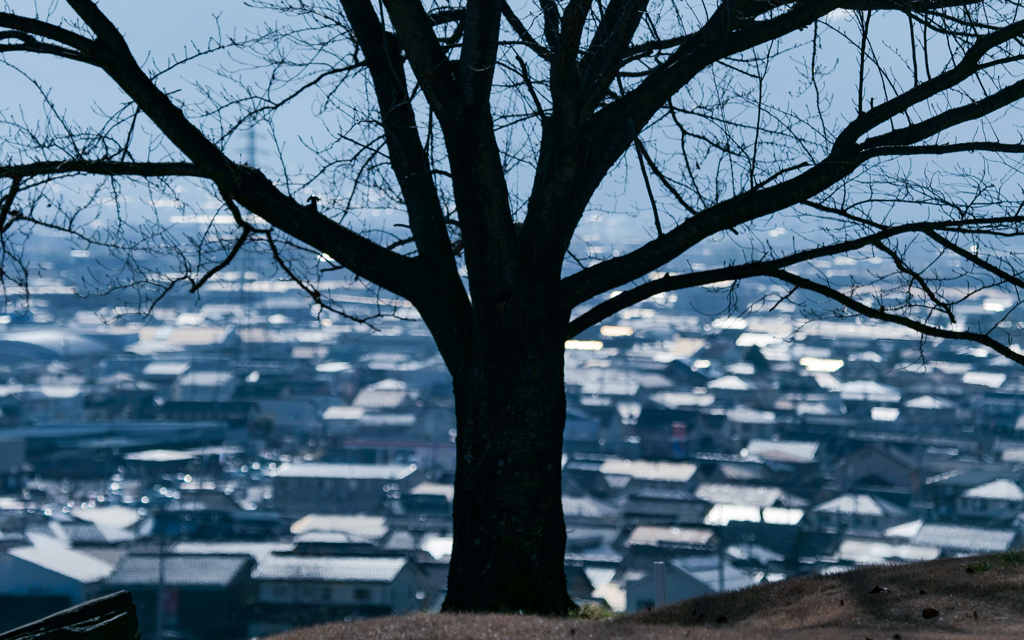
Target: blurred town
<point>244,466</point>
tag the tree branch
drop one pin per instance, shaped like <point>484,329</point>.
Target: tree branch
<point>102,168</point>
<point>244,184</point>
<point>641,292</point>
<point>843,158</point>
<point>414,28</point>
<point>880,314</point>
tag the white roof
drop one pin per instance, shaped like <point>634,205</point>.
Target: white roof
<point>328,568</point>
<point>731,383</point>
<point>586,507</point>
<point>344,470</point>
<point>333,367</point>
<point>997,490</point>
<point>752,551</point>
<point>165,368</point>
<point>885,414</point>
<point>861,505</point>
<point>205,379</point>
<point>386,394</point>
<point>738,494</point>
<point>676,399</point>
<point>929,402</point>
<point>741,368</point>
<point>653,536</point>
<point>256,550</point>
<point>340,412</point>
<point>747,415</point>
<point>372,527</point>
<point>160,455</point>
<point>438,546</point>
<point>985,379</point>
<point>906,530</point>
<point>783,450</point>
<point>964,538</point>
<point>878,552</point>
<point>434,489</point>
<point>721,515</point>
<point>812,409</point>
<point>869,390</point>
<point>646,470</point>
<point>115,516</point>
<point>70,563</point>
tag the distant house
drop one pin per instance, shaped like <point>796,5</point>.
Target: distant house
<point>635,475</point>
<point>743,423</point>
<point>204,386</point>
<point>361,528</point>
<point>958,539</point>
<point>676,538</point>
<point>864,550</point>
<point>793,460</point>
<point>785,451</point>
<point>888,463</point>
<point>165,371</point>
<point>205,596</point>
<point>665,507</point>
<point>671,424</point>
<point>293,416</point>
<point>688,578</point>
<point>386,394</point>
<point>945,491</point>
<point>997,500</point>
<point>745,503</point>
<point>338,487</point>
<point>237,414</point>
<point>585,510</point>
<point>858,511</point>
<point>428,499</point>
<point>300,590</point>
<point>38,580</point>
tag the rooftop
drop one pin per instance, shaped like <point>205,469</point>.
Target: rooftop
<point>69,563</point>
<point>1003,489</point>
<point>328,568</point>
<point>861,505</point>
<point>179,570</point>
<point>656,536</point>
<point>964,538</point>
<point>783,450</point>
<point>646,470</point>
<point>345,471</point>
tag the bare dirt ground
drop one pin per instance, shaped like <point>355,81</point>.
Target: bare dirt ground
<point>980,597</point>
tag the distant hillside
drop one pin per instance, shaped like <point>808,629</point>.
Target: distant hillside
<point>979,597</point>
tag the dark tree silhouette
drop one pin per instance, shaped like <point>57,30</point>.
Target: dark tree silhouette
<point>882,130</point>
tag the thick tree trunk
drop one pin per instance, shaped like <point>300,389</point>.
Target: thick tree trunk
<point>509,529</point>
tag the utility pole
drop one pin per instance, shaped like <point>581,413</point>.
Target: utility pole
<point>245,296</point>
<point>161,592</point>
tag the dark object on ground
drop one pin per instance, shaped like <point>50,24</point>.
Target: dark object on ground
<point>108,618</point>
<point>928,614</point>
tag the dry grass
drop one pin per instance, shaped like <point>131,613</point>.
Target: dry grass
<point>973,597</point>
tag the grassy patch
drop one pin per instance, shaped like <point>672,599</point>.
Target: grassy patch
<point>980,566</point>
<point>1012,559</point>
<point>1003,560</point>
<point>591,611</point>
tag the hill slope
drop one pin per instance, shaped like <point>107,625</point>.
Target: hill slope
<point>981,597</point>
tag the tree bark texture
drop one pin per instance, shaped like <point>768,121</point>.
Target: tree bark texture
<point>509,528</point>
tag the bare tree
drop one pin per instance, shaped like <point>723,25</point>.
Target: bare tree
<point>870,129</point>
